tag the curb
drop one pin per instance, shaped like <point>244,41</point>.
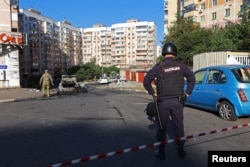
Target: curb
<point>6,100</point>
<point>17,99</point>
<point>30,98</point>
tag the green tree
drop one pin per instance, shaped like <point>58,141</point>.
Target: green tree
<point>202,44</point>
<point>111,71</point>
<point>188,37</point>
<point>191,39</point>
<point>80,75</point>
<point>73,70</point>
<point>159,59</point>
<point>245,12</point>
<point>91,71</point>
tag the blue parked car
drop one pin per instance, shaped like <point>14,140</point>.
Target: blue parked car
<point>224,88</point>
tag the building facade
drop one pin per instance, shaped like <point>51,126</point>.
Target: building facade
<point>96,45</point>
<point>39,43</point>
<point>209,13</point>
<point>125,45</point>
<point>11,42</point>
<point>133,44</point>
<point>171,8</point>
<point>55,46</point>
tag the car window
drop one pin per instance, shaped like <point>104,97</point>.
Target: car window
<point>242,74</point>
<point>223,78</point>
<point>199,76</point>
<point>216,77</point>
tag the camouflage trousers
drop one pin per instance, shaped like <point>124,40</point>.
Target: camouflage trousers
<point>46,89</point>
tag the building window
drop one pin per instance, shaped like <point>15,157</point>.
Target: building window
<point>203,6</point>
<point>194,18</point>
<point>14,30</point>
<point>242,9</point>
<point>214,16</point>
<point>166,3</point>
<point>227,12</point>
<point>214,2</point>
<point>14,2</point>
<point>202,18</point>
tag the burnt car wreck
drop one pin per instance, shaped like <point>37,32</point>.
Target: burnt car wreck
<point>69,84</point>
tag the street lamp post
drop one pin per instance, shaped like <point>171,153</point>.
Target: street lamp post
<point>39,44</point>
<point>102,64</point>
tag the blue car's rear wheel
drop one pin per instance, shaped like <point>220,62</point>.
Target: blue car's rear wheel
<point>226,111</point>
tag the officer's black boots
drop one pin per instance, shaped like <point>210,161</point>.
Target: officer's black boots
<point>181,152</point>
<point>160,154</point>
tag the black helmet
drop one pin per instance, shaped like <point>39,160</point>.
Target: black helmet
<point>169,48</point>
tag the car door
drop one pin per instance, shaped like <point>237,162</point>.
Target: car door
<point>194,98</point>
<point>212,88</point>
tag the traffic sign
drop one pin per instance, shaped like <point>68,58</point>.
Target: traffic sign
<point>3,66</point>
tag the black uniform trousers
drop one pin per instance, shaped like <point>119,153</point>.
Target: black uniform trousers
<point>170,107</point>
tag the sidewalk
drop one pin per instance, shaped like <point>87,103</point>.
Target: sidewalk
<point>13,94</point>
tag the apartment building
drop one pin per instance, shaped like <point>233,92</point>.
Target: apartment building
<point>11,42</point>
<point>125,45</point>
<point>55,46</point>
<point>133,44</point>
<point>70,45</point>
<point>37,55</point>
<point>171,8</point>
<point>208,13</point>
<point>96,44</point>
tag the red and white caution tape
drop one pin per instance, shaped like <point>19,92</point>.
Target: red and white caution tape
<point>136,148</point>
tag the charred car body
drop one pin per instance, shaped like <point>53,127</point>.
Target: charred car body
<point>69,84</point>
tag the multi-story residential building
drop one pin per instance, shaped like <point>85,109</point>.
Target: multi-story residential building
<point>159,51</point>
<point>52,45</point>
<point>11,43</point>
<point>96,44</point>
<point>57,46</point>
<point>37,55</point>
<point>211,13</point>
<point>208,13</point>
<point>133,44</point>
<point>130,44</point>
<point>70,45</point>
<point>171,8</point>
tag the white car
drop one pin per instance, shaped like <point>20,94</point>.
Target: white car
<point>103,80</point>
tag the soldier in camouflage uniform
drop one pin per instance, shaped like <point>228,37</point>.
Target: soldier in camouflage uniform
<point>45,81</point>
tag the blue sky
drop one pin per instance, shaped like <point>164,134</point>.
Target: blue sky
<point>85,13</point>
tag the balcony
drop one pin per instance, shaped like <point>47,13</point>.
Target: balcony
<point>35,65</point>
<point>190,8</point>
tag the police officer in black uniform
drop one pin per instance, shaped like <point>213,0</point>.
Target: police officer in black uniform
<point>170,94</point>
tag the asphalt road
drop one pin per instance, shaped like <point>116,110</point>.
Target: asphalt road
<point>42,132</point>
